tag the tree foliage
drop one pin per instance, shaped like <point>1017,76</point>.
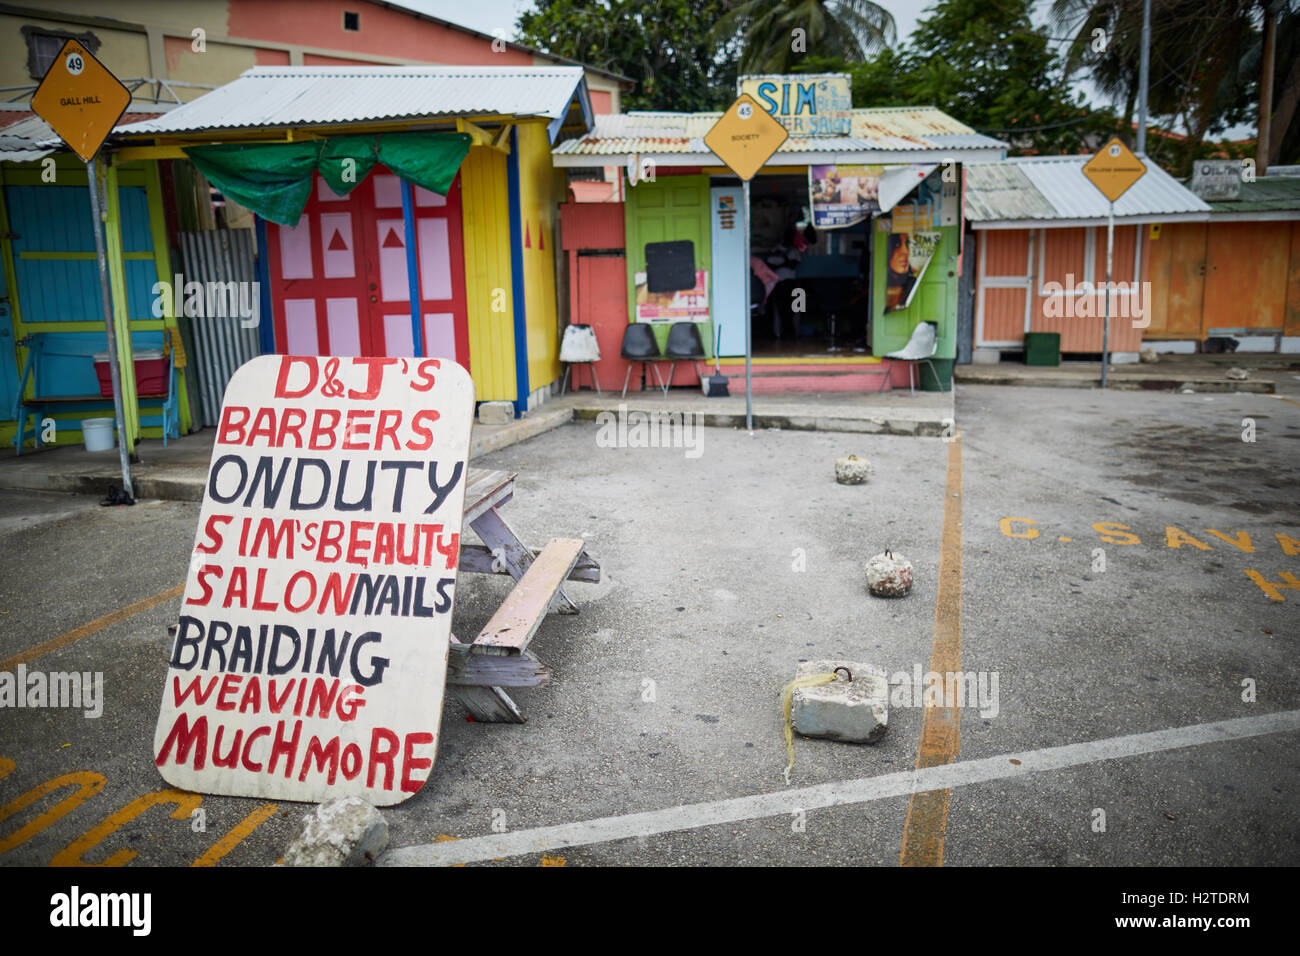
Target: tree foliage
<point>666,46</point>
<point>776,35</point>
<point>988,66</point>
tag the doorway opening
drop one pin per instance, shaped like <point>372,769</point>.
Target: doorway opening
<point>810,291</point>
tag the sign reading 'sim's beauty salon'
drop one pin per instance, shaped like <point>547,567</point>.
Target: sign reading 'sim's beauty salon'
<point>311,651</point>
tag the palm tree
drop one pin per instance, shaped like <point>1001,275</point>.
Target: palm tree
<point>1197,80</point>
<point>766,29</point>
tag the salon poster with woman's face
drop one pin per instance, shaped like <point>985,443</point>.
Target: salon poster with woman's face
<point>909,254</point>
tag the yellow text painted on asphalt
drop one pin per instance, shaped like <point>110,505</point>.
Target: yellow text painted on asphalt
<point>1177,539</point>
<point>86,784</point>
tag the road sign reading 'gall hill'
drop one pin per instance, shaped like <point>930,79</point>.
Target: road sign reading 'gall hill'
<point>80,99</point>
<point>1114,169</point>
<point>311,653</point>
<point>745,137</point>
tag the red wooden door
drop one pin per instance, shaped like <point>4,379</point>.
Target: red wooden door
<point>339,281</point>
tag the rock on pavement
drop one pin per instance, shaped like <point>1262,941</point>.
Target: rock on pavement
<point>343,832</point>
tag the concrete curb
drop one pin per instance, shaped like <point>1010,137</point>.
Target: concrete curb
<point>1117,382</point>
<point>925,428</point>
<point>186,483</point>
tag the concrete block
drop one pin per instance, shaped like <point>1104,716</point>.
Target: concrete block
<point>855,711</point>
<point>496,413</point>
<point>1124,358</point>
<point>985,357</point>
<point>344,832</point>
<point>852,470</point>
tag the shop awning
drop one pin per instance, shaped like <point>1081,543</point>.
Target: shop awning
<point>897,181</point>
<point>274,179</point>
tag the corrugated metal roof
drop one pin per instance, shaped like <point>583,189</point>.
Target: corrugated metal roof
<point>1002,191</point>
<point>25,137</point>
<point>1054,187</point>
<point>898,128</point>
<point>287,96</point>
<point>1270,194</point>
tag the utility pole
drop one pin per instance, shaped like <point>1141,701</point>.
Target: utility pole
<point>1262,139</point>
<point>1144,78</point>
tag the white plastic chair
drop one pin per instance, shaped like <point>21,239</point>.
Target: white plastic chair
<point>919,348</point>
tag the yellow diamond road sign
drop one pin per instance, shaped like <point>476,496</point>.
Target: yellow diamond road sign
<point>1114,169</point>
<point>746,136</point>
<point>80,99</point>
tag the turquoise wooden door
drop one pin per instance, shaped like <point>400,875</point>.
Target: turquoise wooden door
<point>673,208</point>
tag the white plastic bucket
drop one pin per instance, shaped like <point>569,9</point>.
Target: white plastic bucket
<point>98,434</point>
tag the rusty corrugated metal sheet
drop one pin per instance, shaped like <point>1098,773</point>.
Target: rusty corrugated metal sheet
<point>901,128</point>
<point>1041,189</point>
<point>1000,191</point>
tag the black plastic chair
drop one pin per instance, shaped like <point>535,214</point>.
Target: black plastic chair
<point>639,345</point>
<point>684,342</point>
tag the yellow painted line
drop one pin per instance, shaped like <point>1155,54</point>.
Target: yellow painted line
<point>92,627</point>
<point>237,834</point>
<point>927,812</point>
<point>1283,398</point>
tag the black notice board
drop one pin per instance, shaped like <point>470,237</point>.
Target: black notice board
<point>670,266</point>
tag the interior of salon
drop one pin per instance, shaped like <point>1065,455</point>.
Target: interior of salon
<point>810,288</point>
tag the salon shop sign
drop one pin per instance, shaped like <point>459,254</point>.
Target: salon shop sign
<point>311,652</point>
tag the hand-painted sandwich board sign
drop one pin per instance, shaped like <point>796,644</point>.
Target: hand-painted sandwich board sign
<point>311,653</point>
<point>80,99</point>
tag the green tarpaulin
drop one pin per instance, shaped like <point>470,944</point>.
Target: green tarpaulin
<point>274,179</point>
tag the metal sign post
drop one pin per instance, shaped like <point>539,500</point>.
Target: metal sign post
<point>1105,301</point>
<point>749,325</point>
<point>1112,170</point>
<point>744,138</point>
<point>82,101</point>
<point>92,180</point>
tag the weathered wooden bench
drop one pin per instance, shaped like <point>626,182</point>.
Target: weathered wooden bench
<point>499,657</point>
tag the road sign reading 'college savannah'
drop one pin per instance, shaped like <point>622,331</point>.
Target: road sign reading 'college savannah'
<point>80,99</point>
<point>745,137</point>
<point>1114,169</point>
<point>311,652</point>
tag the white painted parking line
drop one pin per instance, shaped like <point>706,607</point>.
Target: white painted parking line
<point>841,793</point>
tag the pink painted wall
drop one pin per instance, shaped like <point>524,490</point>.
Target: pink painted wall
<point>384,32</point>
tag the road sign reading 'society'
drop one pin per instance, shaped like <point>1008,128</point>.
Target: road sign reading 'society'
<point>745,137</point>
<point>311,652</point>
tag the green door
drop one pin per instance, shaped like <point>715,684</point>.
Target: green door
<point>934,300</point>
<point>670,209</point>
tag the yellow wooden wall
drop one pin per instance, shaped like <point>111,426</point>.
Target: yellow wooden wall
<point>485,219</point>
<point>540,192</point>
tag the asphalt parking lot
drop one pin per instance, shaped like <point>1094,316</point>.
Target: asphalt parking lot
<point>1102,544</point>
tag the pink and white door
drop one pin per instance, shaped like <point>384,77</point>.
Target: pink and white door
<point>339,282</point>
